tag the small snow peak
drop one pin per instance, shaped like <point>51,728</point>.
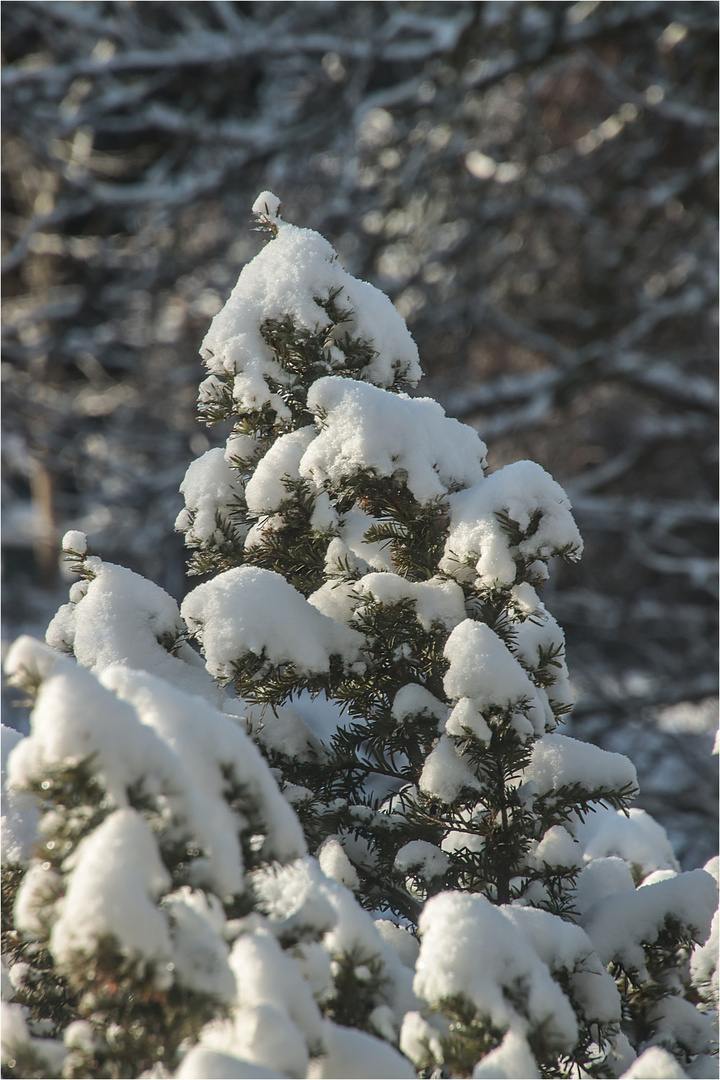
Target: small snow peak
<point>75,542</point>
<point>268,205</point>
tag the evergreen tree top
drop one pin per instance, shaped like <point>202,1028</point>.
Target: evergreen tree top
<point>350,837</point>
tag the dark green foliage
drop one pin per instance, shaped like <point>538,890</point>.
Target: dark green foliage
<point>226,549</point>
<point>74,790</point>
<point>43,991</point>
<point>469,1036</point>
<point>294,549</point>
<point>666,959</point>
<point>358,979</point>
<point>217,406</point>
<point>136,1024</point>
<point>562,803</point>
<point>414,532</point>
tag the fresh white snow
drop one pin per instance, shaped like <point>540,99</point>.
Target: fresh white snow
<point>471,948</point>
<point>248,610</point>
<point>366,427</point>
<point>532,500</point>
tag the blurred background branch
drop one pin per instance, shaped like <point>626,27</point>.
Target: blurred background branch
<point>534,184</point>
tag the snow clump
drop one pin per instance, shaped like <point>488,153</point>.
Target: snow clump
<point>364,427</point>
<point>526,497</point>
<point>250,611</point>
<point>471,948</point>
<point>210,488</point>
<point>115,616</point>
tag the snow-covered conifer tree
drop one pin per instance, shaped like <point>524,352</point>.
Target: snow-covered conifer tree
<point>370,616</point>
<point>159,896</point>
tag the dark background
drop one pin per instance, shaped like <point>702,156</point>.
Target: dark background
<point>534,185</point>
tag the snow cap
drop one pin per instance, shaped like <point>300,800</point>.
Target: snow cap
<point>268,204</point>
